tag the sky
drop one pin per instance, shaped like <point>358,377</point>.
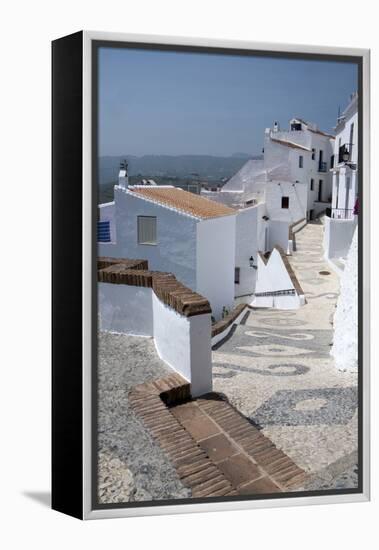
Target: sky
<point>177,103</point>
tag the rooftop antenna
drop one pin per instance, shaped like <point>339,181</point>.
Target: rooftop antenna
<point>123,179</point>
<point>124,165</point>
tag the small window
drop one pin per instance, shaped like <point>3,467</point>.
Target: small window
<point>285,202</point>
<point>312,184</point>
<point>147,229</point>
<point>103,232</point>
<point>313,154</point>
<point>301,159</point>
<point>237,275</point>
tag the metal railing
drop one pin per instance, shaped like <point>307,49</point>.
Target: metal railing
<point>288,292</point>
<point>342,213</point>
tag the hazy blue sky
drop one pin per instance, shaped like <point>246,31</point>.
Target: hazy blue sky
<point>153,102</point>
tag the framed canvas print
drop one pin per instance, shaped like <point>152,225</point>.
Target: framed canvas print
<point>210,275</point>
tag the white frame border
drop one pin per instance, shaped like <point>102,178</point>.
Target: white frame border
<point>88,512</point>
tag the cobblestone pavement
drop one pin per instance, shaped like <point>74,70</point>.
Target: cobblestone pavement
<point>277,370</point>
<point>132,467</point>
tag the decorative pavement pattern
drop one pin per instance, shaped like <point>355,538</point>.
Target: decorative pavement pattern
<point>276,369</point>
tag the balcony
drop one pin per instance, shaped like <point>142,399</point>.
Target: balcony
<point>341,213</point>
<point>344,153</point>
<point>322,166</point>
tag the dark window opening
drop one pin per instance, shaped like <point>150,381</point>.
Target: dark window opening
<point>312,184</point>
<point>285,202</point>
<point>296,127</point>
<point>237,275</point>
<point>301,159</point>
<point>313,154</point>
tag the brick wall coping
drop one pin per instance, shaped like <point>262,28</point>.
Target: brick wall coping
<point>104,262</point>
<point>165,285</point>
<point>224,323</point>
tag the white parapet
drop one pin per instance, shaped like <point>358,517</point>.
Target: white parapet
<point>184,343</point>
<point>125,309</point>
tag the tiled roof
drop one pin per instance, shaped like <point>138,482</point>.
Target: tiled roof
<point>290,144</point>
<point>322,133</point>
<point>183,201</point>
<point>309,127</point>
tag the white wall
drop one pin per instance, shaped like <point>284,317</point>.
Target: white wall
<point>345,192</point>
<point>184,343</point>
<point>282,163</point>
<point>338,235</point>
<point>278,234</point>
<point>125,309</point>
<point>272,277</point>
<point>345,342</point>
<point>175,251</point>
<point>215,262</point>
<point>250,229</point>
<point>297,194</point>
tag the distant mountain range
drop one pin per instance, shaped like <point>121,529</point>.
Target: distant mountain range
<point>203,167</point>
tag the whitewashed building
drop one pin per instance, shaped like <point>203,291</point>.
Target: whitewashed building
<point>341,221</point>
<point>290,185</point>
<point>177,232</point>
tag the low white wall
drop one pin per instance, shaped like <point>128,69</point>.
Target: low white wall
<point>250,237</point>
<point>216,261</point>
<point>125,309</point>
<point>338,235</point>
<point>278,234</point>
<point>273,277</point>
<point>184,343</point>
<point>345,341</point>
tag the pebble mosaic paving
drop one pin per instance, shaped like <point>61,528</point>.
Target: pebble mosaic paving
<point>277,370</point>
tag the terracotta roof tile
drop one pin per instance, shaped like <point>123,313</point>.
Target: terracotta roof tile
<point>183,201</point>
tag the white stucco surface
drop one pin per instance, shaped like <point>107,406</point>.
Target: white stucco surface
<point>215,262</point>
<point>273,277</point>
<point>125,309</point>
<point>338,235</point>
<point>184,343</point>
<point>278,235</point>
<point>345,342</point>
<point>297,194</point>
<point>250,235</point>
<point>175,250</point>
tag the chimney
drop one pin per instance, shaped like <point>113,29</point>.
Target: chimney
<point>276,127</point>
<point>123,179</point>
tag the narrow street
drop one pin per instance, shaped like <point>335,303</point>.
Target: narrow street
<point>276,369</point>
